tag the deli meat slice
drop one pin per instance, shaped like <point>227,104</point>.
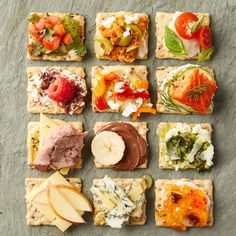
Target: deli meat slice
<point>62,148</point>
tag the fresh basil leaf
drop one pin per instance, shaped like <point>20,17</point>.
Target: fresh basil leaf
<point>81,50</point>
<point>205,54</point>
<point>196,25</point>
<point>33,18</point>
<point>173,42</point>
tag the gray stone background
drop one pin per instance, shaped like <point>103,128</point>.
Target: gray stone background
<point>14,116</point>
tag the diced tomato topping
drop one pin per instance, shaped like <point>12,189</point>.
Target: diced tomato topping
<point>197,94</point>
<point>183,25</point>
<point>54,20</point>
<point>101,103</point>
<point>52,44</point>
<point>59,29</point>
<point>40,25</point>
<point>67,39</point>
<point>204,36</point>
<point>110,77</point>
<point>61,90</point>
<point>32,29</point>
<point>48,25</point>
<point>143,94</point>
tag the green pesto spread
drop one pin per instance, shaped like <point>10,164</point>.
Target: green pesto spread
<point>179,146</point>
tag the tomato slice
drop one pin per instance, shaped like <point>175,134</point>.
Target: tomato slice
<point>52,44</point>
<point>183,24</point>
<point>204,36</point>
<point>101,103</point>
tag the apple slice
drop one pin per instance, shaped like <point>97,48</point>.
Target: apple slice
<point>75,198</point>
<point>41,197</point>
<point>61,207</point>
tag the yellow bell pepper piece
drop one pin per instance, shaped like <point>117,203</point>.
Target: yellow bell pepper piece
<point>100,88</point>
<point>143,109</point>
<point>141,84</point>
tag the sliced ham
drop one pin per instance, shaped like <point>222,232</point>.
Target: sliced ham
<point>62,148</point>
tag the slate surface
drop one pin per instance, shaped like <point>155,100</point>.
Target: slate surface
<point>14,116</point>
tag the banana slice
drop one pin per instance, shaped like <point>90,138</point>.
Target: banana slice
<point>108,148</point>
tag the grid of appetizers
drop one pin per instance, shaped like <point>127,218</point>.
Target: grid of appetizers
<point>119,145</point>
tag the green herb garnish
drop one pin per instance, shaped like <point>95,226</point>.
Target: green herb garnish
<point>37,49</point>
<point>205,54</point>
<point>46,33</point>
<point>81,50</point>
<point>196,25</point>
<point>168,102</point>
<point>199,163</point>
<point>33,18</point>
<point>173,42</point>
<point>197,91</point>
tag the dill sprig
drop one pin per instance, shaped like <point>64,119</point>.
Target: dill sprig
<point>168,102</point>
<point>197,91</point>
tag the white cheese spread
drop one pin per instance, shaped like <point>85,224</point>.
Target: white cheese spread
<point>129,109</point>
<point>129,19</point>
<point>119,87</point>
<point>113,105</point>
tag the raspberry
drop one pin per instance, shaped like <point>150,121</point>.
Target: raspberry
<point>61,90</point>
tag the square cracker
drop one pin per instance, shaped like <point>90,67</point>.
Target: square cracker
<point>163,159</point>
<point>123,183</point>
<point>205,184</point>
<point>33,216</point>
<point>67,57</point>
<point>36,107</point>
<point>161,74</point>
<point>164,18</point>
<point>142,129</point>
<point>141,71</point>
<point>33,141</point>
<point>102,16</point>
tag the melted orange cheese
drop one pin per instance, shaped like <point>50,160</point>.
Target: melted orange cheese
<point>184,206</point>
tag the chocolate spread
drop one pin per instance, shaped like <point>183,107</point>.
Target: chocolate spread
<point>136,147</point>
<point>61,148</point>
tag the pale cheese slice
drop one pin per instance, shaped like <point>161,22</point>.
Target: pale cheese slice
<point>50,215</point>
<point>33,141</point>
